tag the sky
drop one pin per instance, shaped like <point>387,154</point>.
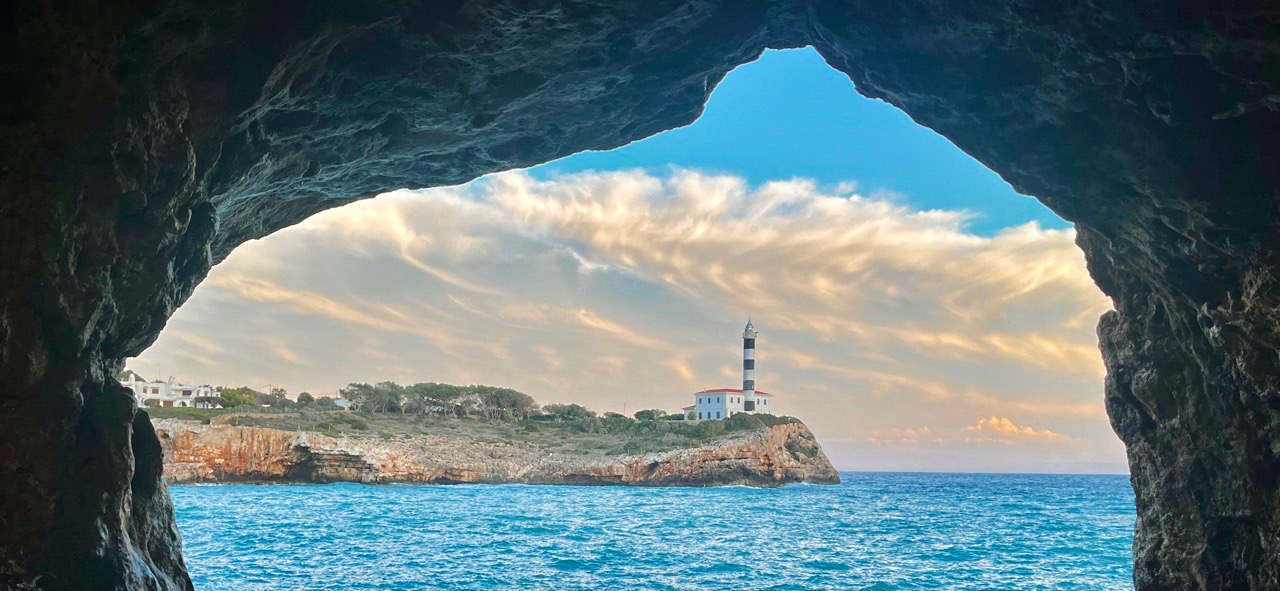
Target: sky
<point>913,310</point>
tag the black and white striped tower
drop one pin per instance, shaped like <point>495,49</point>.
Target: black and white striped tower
<point>749,368</point>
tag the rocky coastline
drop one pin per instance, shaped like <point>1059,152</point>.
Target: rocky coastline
<point>195,452</point>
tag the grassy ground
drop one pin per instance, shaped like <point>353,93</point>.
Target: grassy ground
<point>609,436</point>
<point>192,414</point>
<point>205,414</point>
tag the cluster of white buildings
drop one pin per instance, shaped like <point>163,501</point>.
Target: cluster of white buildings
<point>723,403</point>
<point>171,393</point>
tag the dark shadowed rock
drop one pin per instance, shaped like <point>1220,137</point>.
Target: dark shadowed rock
<point>143,141</point>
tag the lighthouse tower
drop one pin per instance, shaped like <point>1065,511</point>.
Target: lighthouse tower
<point>749,368</point>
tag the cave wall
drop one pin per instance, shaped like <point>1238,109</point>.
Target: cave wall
<point>145,140</point>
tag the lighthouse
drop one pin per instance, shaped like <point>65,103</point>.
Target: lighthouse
<point>749,367</point>
<point>722,403</point>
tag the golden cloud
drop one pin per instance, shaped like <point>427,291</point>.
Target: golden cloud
<point>1003,431</point>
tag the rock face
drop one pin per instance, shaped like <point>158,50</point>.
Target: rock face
<point>224,453</point>
<point>144,140</point>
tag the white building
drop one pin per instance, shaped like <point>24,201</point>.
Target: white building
<point>723,403</point>
<point>170,393</point>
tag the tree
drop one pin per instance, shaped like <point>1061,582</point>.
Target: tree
<point>381,397</point>
<point>652,414</point>
<point>617,423</point>
<point>568,412</point>
<point>242,396</point>
<point>433,397</point>
<point>358,393</point>
<point>123,376</point>
<point>504,402</point>
<point>387,397</point>
<point>306,398</point>
<point>326,403</point>
<point>274,400</point>
<point>207,401</point>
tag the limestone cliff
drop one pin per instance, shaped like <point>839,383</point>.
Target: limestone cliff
<point>194,452</point>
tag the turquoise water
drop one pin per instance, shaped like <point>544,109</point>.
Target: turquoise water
<point>876,531</point>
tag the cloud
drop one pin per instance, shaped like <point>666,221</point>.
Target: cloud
<point>614,330</point>
<point>916,436</point>
<point>1003,431</point>
<point>860,268</point>
<point>998,430</point>
<point>625,288</point>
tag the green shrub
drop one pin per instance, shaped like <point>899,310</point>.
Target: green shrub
<point>352,421</point>
<point>171,412</point>
<point>651,414</point>
<point>708,429</point>
<point>242,396</point>
<point>568,412</point>
<point>617,423</point>
<point>326,403</point>
<point>743,422</point>
<point>591,424</point>
<point>802,448</point>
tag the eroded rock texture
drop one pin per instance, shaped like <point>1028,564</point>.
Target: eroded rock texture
<point>193,452</point>
<point>144,140</point>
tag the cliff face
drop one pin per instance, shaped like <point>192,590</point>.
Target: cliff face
<point>222,453</point>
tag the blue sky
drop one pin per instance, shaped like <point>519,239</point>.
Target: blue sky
<point>789,114</point>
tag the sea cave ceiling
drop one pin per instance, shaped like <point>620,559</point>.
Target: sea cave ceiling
<point>145,140</point>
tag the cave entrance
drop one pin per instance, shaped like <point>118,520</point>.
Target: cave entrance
<point>915,311</point>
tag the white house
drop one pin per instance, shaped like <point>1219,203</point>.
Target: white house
<point>723,403</point>
<point>170,393</point>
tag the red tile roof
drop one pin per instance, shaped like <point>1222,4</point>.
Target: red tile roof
<point>731,391</point>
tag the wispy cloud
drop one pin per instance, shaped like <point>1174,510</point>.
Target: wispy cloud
<point>627,288</point>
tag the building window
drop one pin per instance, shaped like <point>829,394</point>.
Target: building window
<point>717,414</point>
<point>699,416</point>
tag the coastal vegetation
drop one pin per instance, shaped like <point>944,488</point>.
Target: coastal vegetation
<point>492,414</point>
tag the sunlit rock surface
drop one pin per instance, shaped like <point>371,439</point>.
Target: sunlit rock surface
<point>226,453</point>
<point>143,141</point>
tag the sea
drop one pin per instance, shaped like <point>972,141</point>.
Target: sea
<point>875,531</point>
